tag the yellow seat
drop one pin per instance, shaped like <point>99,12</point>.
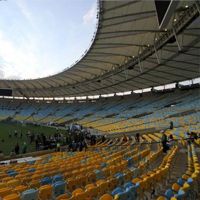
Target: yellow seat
<point>71,184</point>
<point>4,192</point>
<point>34,184</point>
<point>106,197</point>
<point>77,191</point>
<point>3,185</point>
<point>185,186</point>
<point>79,196</point>
<point>3,175</point>
<point>13,183</point>
<point>45,192</point>
<point>88,186</point>
<point>185,177</point>
<point>92,192</point>
<point>63,197</point>
<point>13,196</point>
<point>136,180</point>
<point>20,188</point>
<point>102,187</point>
<point>6,179</point>
<point>175,187</point>
<point>161,198</point>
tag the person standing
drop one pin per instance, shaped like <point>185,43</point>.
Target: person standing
<point>17,149</point>
<point>58,146</point>
<point>164,142</point>
<point>137,137</point>
<point>171,140</point>
<point>24,148</point>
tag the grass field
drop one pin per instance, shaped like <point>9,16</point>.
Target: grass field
<point>9,143</point>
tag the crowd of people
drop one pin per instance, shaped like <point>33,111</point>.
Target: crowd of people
<point>38,140</point>
<point>76,138</point>
<point>79,138</point>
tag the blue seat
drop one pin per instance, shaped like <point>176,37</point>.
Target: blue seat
<point>57,177</point>
<point>31,170</point>
<point>180,182</point>
<point>10,171</point>
<point>103,165</point>
<point>30,194</point>
<point>130,162</point>
<point>137,185</point>
<point>181,195</point>
<point>128,184</point>
<point>59,188</point>
<point>132,192</point>
<point>31,162</point>
<point>117,174</point>
<point>99,174</point>
<point>190,181</point>
<point>46,181</point>
<point>116,191</point>
<point>120,178</point>
<point>14,173</point>
<point>169,193</point>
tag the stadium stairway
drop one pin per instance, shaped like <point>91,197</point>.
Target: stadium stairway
<point>186,185</point>
<point>178,167</point>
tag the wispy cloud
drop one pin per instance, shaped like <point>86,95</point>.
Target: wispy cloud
<point>25,11</point>
<point>39,41</point>
<point>20,59</point>
<point>90,15</point>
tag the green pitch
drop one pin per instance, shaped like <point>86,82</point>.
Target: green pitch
<point>7,144</point>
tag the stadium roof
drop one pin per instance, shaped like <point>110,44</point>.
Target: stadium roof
<point>129,52</point>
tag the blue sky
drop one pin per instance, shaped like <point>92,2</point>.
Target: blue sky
<point>42,37</point>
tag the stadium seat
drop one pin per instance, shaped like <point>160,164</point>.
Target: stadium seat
<point>13,183</point>
<point>20,188</point>
<point>45,192</point>
<point>34,184</point>
<point>57,177</point>
<point>46,181</point>
<point>92,191</point>
<point>59,188</point>
<point>13,196</point>
<point>3,185</point>
<point>123,196</point>
<point>30,194</point>
<point>116,191</point>
<point>106,197</point>
<point>4,192</point>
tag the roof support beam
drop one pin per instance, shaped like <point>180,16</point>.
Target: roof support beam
<point>108,54</point>
<point>102,61</point>
<point>129,15</point>
<point>121,5</point>
<point>128,21</point>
